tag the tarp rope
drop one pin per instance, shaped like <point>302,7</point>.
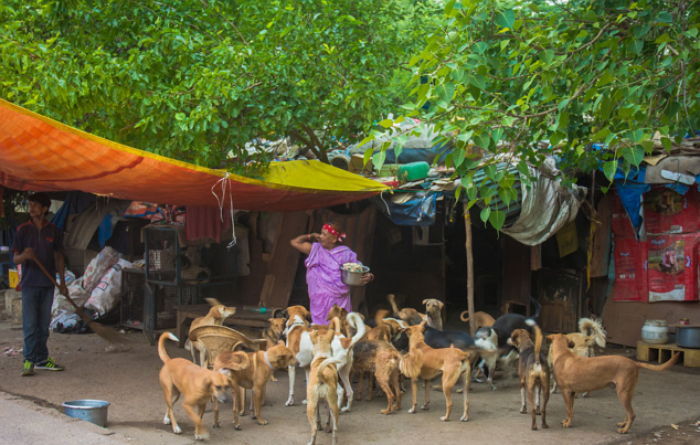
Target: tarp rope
<point>226,189</point>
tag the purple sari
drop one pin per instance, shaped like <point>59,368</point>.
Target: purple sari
<point>323,278</point>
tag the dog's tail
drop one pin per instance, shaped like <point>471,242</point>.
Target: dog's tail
<point>662,367</point>
<point>379,317</point>
<point>391,298</point>
<point>464,316</point>
<point>538,345</point>
<point>162,353</point>
<point>593,329</point>
<point>355,320</point>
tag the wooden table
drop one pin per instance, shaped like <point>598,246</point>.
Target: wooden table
<point>242,317</point>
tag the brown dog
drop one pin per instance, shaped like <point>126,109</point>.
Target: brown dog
<point>407,314</point>
<point>425,363</point>
<point>273,332</point>
<point>215,317</point>
<point>481,319</point>
<point>323,381</point>
<point>434,309</point>
<point>591,333</point>
<point>196,384</point>
<point>534,374</point>
<point>580,374</point>
<point>380,359</point>
<point>255,377</point>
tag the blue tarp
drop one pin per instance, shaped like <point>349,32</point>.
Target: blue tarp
<point>418,211</point>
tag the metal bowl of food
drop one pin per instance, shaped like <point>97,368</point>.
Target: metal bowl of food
<point>351,273</point>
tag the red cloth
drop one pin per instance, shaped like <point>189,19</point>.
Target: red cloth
<point>205,223</point>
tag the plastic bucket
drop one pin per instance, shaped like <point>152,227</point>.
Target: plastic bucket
<point>94,411</point>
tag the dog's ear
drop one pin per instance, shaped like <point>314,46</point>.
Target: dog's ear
<point>212,301</point>
<point>280,343</point>
<point>440,304</point>
<point>425,301</point>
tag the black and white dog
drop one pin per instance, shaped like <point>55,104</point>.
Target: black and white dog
<point>492,341</point>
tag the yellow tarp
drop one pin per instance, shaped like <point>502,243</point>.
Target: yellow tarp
<point>38,153</point>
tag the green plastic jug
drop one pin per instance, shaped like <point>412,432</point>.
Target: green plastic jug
<point>413,171</point>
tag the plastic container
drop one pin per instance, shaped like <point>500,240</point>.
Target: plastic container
<point>14,278</point>
<point>94,411</point>
<point>353,278</point>
<point>413,171</point>
<point>655,332</point>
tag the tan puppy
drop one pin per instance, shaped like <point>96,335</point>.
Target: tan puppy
<point>481,319</point>
<point>196,384</point>
<point>579,374</point>
<point>434,309</point>
<point>590,333</point>
<point>425,363</point>
<point>534,374</point>
<point>323,381</point>
<point>407,314</point>
<point>215,317</point>
<point>254,377</point>
<point>380,359</point>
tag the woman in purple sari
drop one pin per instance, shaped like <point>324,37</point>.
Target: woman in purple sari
<point>325,257</point>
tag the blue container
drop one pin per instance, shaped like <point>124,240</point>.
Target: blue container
<point>94,411</point>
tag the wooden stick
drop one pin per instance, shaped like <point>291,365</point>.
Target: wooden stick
<point>470,269</point>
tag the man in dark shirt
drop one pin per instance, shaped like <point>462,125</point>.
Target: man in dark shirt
<point>38,239</point>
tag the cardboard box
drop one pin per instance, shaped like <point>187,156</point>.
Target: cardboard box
<point>630,258</point>
<point>672,267</point>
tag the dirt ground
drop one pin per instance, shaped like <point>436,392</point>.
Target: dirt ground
<point>129,380</point>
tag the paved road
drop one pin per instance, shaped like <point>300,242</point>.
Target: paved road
<point>26,422</point>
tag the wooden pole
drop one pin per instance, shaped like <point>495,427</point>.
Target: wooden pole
<point>470,269</point>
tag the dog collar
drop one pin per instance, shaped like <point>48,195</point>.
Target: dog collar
<point>267,361</point>
<point>289,328</point>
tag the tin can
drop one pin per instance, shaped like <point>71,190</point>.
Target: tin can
<point>684,321</point>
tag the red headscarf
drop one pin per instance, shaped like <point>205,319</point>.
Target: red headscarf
<point>330,228</point>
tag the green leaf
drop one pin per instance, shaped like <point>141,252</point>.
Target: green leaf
<point>633,155</point>
<point>664,17</point>
<point>386,123</point>
<point>497,218</point>
<point>506,19</point>
<point>458,156</point>
<point>609,169</point>
<point>485,213</point>
<point>367,156</point>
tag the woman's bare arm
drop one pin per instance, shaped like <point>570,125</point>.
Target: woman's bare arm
<point>303,243</point>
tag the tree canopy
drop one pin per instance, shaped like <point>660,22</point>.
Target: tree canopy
<point>195,79</point>
<point>521,80</point>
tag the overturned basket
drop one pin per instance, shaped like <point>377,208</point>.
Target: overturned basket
<point>217,339</point>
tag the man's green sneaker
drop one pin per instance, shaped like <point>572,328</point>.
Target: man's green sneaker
<point>27,368</point>
<point>49,365</point>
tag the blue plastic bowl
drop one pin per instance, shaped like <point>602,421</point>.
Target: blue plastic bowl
<point>94,411</point>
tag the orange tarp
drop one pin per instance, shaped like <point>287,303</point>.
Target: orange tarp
<point>40,154</point>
